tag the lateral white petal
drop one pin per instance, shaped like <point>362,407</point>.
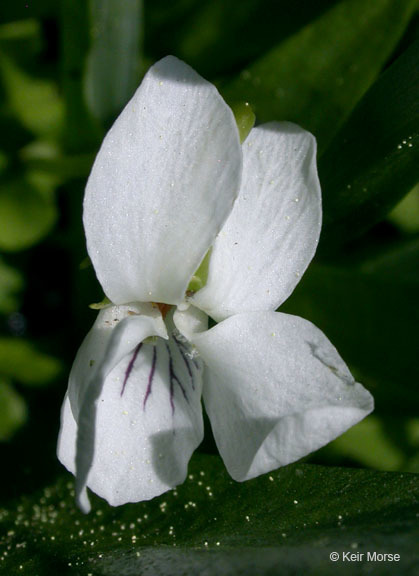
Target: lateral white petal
<point>116,332</point>
<point>275,390</point>
<point>148,422</point>
<point>272,232</point>
<point>162,186</point>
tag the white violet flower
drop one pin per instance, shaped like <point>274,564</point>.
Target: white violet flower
<point>171,189</point>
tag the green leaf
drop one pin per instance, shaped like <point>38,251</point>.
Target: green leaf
<point>35,101</point>
<point>13,412</point>
<point>383,443</point>
<point>21,361</point>
<point>113,62</point>
<point>316,77</point>
<point>82,133</point>
<point>11,282</point>
<point>27,211</point>
<point>372,162</point>
<point>217,37</point>
<point>287,522</point>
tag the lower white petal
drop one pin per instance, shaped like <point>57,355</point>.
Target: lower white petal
<point>275,390</point>
<point>148,421</point>
<point>116,332</point>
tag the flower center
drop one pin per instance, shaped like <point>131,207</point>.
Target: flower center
<point>164,308</point>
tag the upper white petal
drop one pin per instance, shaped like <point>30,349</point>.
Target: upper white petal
<point>162,186</point>
<point>272,233</point>
<point>275,390</point>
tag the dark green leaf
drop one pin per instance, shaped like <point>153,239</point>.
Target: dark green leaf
<point>373,161</point>
<point>113,62</point>
<point>316,77</point>
<point>82,133</point>
<point>218,37</point>
<point>287,523</point>
<point>23,10</point>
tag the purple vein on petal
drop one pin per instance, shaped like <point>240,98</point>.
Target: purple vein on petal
<point>150,376</point>
<point>174,379</point>
<point>183,351</point>
<point>130,367</point>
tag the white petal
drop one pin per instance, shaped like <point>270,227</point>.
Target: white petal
<point>189,320</point>
<point>116,331</point>
<point>115,334</point>
<point>276,390</point>
<point>272,233</point>
<point>148,422</point>
<point>162,186</point>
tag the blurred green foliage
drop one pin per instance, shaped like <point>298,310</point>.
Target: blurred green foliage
<point>347,70</point>
<point>13,411</point>
<point>316,76</point>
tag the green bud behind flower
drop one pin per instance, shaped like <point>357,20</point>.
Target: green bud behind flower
<point>199,279</point>
<point>245,118</point>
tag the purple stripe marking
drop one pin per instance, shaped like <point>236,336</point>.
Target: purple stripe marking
<point>150,376</point>
<point>174,379</point>
<point>130,367</point>
<point>182,348</point>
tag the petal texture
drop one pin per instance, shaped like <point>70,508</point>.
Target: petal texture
<point>272,233</point>
<point>116,333</point>
<point>275,390</point>
<point>162,186</point>
<point>148,421</point>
